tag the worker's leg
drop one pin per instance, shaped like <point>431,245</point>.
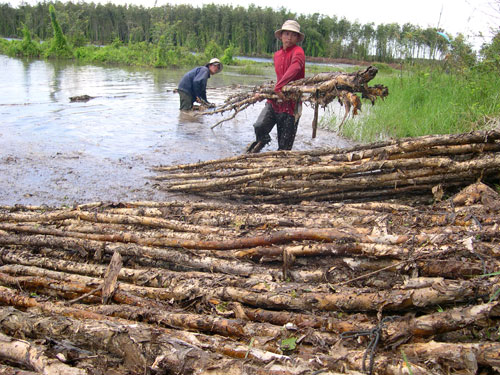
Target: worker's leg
<point>263,126</point>
<point>265,123</point>
<point>287,129</point>
<point>186,101</point>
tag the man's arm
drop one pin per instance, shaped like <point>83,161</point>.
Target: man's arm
<point>200,84</point>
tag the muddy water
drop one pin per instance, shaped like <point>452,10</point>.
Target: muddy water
<point>56,152</point>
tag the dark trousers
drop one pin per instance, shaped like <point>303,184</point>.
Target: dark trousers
<point>286,125</point>
<point>186,101</point>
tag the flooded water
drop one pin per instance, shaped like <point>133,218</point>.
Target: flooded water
<point>53,151</point>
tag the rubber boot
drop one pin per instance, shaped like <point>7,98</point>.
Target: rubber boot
<point>255,147</point>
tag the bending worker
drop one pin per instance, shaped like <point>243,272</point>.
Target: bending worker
<point>289,64</point>
<point>193,86</point>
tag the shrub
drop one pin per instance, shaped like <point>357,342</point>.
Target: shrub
<point>59,46</point>
<point>228,57</point>
<point>212,50</point>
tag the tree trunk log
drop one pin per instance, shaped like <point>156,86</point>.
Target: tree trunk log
<point>457,356</point>
<point>32,356</point>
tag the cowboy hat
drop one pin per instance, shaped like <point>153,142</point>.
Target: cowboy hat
<point>290,25</point>
<point>216,61</point>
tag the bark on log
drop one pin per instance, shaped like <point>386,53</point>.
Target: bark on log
<point>411,165</point>
<point>438,292</point>
<point>111,277</point>
<point>369,151</point>
<point>457,356</point>
<point>337,281</point>
<point>383,364</point>
<point>139,346</point>
<point>281,237</point>
<point>32,356</point>
<point>107,218</point>
<point>171,256</point>
<point>72,290</point>
<point>446,321</point>
<point>9,370</point>
<point>136,343</point>
<point>153,277</point>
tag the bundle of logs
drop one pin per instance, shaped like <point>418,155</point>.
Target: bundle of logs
<point>318,90</point>
<point>222,288</point>
<point>381,170</point>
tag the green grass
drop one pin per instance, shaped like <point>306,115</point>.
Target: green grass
<point>407,363</point>
<point>137,54</point>
<point>252,69</point>
<point>422,102</point>
<point>317,68</point>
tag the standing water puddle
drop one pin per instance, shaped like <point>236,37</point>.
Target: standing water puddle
<point>56,152</point>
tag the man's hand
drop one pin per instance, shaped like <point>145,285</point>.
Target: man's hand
<point>205,103</point>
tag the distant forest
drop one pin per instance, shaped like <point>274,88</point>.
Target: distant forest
<point>249,30</point>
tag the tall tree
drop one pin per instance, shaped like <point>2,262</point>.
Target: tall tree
<point>58,45</point>
<point>250,30</point>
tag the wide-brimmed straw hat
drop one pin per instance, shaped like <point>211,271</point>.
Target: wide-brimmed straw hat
<point>290,25</point>
<point>216,61</point>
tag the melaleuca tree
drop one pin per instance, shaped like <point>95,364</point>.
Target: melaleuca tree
<point>491,54</point>
<point>58,45</point>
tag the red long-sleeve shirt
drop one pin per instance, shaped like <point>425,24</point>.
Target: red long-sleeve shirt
<point>290,65</point>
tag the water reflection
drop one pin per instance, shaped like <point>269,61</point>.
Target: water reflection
<point>27,77</point>
<point>104,148</point>
<point>55,81</point>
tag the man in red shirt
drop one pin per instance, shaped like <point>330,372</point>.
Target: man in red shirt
<point>289,64</point>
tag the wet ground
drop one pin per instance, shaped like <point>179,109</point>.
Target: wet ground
<point>57,152</point>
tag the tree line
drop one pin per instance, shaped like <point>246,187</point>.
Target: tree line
<point>249,30</point>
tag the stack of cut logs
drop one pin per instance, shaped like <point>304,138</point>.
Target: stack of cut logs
<point>225,288</point>
<point>372,171</point>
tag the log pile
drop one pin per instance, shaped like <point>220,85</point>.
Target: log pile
<point>225,288</point>
<point>380,170</point>
<point>318,90</point>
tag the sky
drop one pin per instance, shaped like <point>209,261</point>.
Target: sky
<point>469,17</point>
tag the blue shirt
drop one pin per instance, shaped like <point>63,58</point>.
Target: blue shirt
<point>194,83</point>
